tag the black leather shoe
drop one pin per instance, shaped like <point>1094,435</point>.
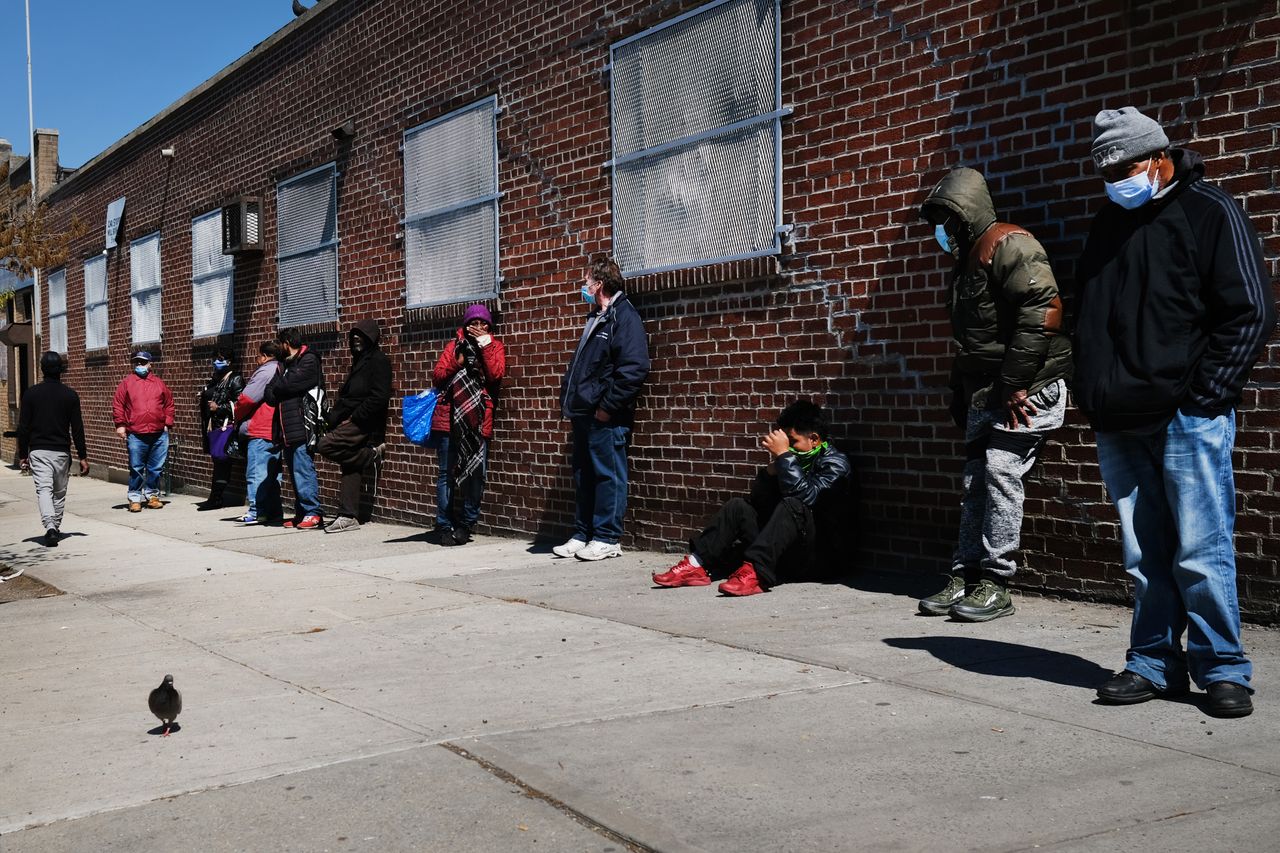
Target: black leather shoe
<point>51,537</point>
<point>1129,688</point>
<point>1228,699</point>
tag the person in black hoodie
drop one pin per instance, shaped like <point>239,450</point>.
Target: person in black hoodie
<point>357,424</point>
<point>292,393</point>
<point>217,402</point>
<point>49,420</point>
<point>1174,309</point>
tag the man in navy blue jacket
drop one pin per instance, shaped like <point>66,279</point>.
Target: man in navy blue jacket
<point>598,397</point>
<point>1175,308</point>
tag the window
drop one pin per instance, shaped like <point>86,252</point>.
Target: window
<point>58,311</point>
<point>212,306</point>
<point>697,138</point>
<point>95,303</point>
<point>451,207</point>
<point>307,251</point>
<point>144,288</point>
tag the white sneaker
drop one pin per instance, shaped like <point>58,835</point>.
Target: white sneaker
<point>596,550</point>
<point>569,548</point>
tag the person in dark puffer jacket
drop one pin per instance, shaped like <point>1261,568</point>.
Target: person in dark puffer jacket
<point>1008,384</point>
<point>1175,307</point>
<point>287,392</point>
<point>357,424</point>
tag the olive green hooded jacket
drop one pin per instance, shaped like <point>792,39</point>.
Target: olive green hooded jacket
<point>1006,313</point>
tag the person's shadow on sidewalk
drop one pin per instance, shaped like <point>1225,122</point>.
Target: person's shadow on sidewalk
<point>1008,660</point>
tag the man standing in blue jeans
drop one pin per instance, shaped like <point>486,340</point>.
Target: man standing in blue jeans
<point>143,413</point>
<point>296,424</point>
<point>598,397</point>
<point>1175,308</point>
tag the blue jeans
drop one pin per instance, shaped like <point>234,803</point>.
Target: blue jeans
<point>262,478</point>
<point>1176,497</point>
<point>472,491</point>
<point>147,454</point>
<point>599,479</point>
<point>306,489</point>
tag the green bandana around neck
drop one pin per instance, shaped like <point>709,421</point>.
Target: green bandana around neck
<point>807,457</point>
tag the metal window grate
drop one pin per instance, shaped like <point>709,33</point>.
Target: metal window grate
<point>57,284</point>
<point>95,303</point>
<point>144,288</point>
<point>307,251</point>
<point>697,138</point>
<point>451,207</point>
<point>212,296</point>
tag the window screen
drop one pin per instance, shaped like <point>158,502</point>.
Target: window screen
<point>307,247</point>
<point>95,303</point>
<point>451,207</point>
<point>696,115</point>
<point>144,288</point>
<point>58,311</point>
<point>212,306</point>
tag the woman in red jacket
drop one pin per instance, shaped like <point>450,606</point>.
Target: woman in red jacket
<point>468,375</point>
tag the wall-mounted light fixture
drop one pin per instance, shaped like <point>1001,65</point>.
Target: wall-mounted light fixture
<point>167,153</point>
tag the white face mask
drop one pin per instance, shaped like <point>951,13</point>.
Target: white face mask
<point>1135,191</point>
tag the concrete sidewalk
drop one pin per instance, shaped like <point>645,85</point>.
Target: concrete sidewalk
<point>372,691</point>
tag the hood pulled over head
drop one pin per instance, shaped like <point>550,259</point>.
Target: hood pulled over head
<point>367,329</point>
<point>963,192</point>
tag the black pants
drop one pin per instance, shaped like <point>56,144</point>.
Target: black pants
<point>221,476</point>
<point>348,446</point>
<point>783,549</point>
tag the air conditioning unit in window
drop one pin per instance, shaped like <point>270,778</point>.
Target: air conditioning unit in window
<point>242,225</point>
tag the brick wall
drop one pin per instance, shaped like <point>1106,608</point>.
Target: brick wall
<point>886,97</point>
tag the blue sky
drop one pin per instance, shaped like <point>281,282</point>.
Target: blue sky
<point>103,67</point>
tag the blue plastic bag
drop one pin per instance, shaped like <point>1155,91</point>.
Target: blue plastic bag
<point>416,414</point>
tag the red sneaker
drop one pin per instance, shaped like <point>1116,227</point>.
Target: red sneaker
<point>683,573</point>
<point>290,523</point>
<point>742,582</point>
<point>311,522</point>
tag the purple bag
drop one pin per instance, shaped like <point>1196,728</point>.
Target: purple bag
<point>218,440</point>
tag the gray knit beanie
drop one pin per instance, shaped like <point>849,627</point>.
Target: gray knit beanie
<point>1124,135</point>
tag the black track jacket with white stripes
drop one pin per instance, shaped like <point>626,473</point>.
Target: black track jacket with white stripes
<point>1174,305</point>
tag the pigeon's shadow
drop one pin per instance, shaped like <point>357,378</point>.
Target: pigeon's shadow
<point>159,730</point>
<point>1008,660</point>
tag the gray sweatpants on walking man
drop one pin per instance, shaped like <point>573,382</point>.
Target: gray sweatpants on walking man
<point>51,470</point>
<point>997,460</point>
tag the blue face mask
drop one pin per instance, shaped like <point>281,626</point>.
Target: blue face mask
<point>940,234</point>
<point>141,369</point>
<point>587,296</point>
<point>1135,191</point>
<point>221,365</point>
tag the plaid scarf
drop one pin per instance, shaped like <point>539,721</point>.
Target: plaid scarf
<point>466,412</point>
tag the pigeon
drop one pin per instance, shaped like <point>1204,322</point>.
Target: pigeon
<point>298,8</point>
<point>166,703</point>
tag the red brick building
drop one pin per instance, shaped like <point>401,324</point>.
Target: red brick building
<point>370,130</point>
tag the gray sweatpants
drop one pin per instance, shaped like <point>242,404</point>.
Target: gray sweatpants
<point>50,469</point>
<point>997,460</point>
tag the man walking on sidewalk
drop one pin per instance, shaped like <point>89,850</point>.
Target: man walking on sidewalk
<point>143,415</point>
<point>49,422</point>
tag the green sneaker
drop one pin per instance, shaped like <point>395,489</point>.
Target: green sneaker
<point>939,604</point>
<point>989,600</point>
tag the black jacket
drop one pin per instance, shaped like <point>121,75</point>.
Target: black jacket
<point>222,394</point>
<point>827,488</point>
<point>50,419</point>
<point>609,366</point>
<point>1175,305</point>
<point>364,396</point>
<point>286,392</point>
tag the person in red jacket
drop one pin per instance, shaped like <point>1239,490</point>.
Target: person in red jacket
<point>262,456</point>
<point>468,375</point>
<point>143,414</point>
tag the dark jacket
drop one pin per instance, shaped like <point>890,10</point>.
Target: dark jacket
<point>1006,312</point>
<point>827,489</point>
<point>1175,305</point>
<point>223,395</point>
<point>50,419</point>
<point>364,396</point>
<point>286,392</point>
<point>609,366</point>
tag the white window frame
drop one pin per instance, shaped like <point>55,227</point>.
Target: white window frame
<point>57,287</point>
<point>773,117</point>
<point>419,218</point>
<point>323,246</point>
<point>138,287</point>
<point>220,279</point>
<point>90,344</point>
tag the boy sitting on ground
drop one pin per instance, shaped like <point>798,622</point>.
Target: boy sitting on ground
<point>789,523</point>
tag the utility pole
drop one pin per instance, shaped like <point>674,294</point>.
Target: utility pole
<point>36,326</point>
